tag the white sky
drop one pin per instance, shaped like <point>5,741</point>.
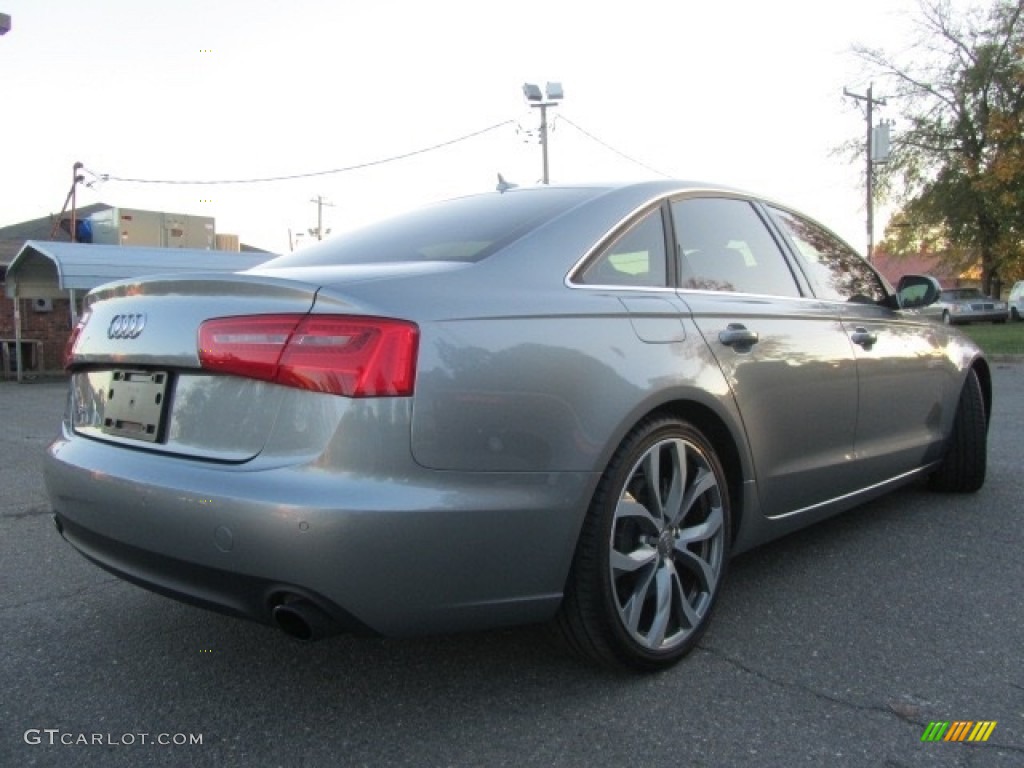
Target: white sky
<point>747,93</point>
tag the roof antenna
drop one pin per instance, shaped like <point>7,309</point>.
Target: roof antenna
<point>504,186</point>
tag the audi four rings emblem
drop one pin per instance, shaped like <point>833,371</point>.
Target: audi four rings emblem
<point>126,326</point>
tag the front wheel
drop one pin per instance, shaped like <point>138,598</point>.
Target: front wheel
<point>653,551</point>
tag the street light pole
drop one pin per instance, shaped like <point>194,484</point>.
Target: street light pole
<point>554,94</point>
<point>544,136</point>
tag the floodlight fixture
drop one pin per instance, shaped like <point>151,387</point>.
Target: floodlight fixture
<point>532,92</point>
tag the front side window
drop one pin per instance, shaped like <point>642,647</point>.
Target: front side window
<point>836,270</point>
<point>724,245</point>
<point>635,258</point>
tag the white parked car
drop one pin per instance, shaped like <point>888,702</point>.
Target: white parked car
<point>1016,301</point>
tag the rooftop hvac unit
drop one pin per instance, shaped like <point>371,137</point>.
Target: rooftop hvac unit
<point>224,242</point>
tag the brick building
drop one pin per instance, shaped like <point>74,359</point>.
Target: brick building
<point>894,267</point>
<point>48,327</point>
<point>46,321</point>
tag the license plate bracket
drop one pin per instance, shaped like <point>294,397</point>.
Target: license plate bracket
<point>134,404</point>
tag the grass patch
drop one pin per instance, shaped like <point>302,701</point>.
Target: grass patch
<point>1005,339</point>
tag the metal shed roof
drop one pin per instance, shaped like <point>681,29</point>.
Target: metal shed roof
<point>47,270</point>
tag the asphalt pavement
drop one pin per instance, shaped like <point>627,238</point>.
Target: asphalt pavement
<point>836,646</point>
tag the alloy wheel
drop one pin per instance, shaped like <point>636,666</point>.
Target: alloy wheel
<point>667,544</point>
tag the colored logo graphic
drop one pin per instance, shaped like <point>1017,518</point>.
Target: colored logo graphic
<point>958,730</point>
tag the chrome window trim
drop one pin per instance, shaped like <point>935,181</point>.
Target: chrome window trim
<point>679,194</point>
<point>651,204</point>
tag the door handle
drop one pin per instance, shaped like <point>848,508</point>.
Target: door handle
<point>737,335</point>
<point>863,337</point>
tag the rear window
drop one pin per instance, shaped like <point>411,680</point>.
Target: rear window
<point>464,229</point>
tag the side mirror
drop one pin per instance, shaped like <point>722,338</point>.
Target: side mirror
<point>916,291</point>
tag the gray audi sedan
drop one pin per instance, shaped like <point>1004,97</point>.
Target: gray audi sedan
<point>561,404</point>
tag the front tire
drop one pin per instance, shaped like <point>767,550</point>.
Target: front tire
<point>653,551</point>
<point>963,468</point>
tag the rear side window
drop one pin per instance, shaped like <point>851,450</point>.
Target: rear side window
<point>836,270</point>
<point>635,258</point>
<point>725,246</point>
<point>464,229</point>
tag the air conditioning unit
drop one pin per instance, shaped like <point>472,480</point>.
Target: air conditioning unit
<point>42,305</point>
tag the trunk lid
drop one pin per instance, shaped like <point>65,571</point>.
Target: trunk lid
<point>136,376</point>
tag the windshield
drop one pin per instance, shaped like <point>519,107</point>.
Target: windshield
<point>464,229</point>
<point>962,293</point>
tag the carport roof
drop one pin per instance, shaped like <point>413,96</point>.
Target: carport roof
<point>45,269</point>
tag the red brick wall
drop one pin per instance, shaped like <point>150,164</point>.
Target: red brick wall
<point>52,328</point>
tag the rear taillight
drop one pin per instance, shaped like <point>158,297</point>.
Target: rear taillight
<point>69,348</point>
<point>343,355</point>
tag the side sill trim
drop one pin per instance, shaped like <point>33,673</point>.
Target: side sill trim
<point>897,480</point>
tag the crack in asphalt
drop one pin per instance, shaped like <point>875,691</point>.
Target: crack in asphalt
<point>37,511</point>
<point>806,689</point>
<point>888,710</point>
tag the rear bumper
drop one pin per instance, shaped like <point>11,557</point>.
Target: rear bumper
<point>398,555</point>
<point>234,594</point>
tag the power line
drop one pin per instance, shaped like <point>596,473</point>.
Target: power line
<point>608,146</point>
<point>311,174</point>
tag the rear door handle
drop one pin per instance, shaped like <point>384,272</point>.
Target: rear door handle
<point>737,335</point>
<point>863,337</point>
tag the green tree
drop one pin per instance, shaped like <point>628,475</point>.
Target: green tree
<point>957,165</point>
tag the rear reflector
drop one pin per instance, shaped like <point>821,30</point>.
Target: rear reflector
<point>72,342</point>
<point>339,354</point>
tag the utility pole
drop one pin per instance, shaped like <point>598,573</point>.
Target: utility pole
<point>320,203</point>
<point>871,101</point>
<point>71,200</point>
<point>76,179</point>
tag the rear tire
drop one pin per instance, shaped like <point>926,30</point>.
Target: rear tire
<point>652,553</point>
<point>963,468</point>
